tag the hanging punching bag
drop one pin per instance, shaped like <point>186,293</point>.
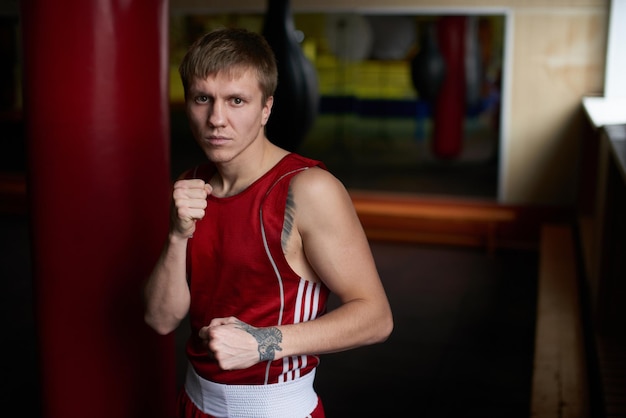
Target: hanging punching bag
<point>97,131</point>
<point>296,99</point>
<point>449,112</point>
<point>428,67</point>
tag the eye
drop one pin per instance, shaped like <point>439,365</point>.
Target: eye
<point>201,99</point>
<point>237,100</point>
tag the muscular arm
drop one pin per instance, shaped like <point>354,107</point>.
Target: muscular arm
<point>337,249</point>
<point>166,291</point>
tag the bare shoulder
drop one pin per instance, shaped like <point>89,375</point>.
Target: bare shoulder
<point>320,198</point>
<point>317,184</point>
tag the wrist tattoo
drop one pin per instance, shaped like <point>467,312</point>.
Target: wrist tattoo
<point>269,340</point>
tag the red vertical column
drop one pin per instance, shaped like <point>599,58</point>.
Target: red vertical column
<point>97,126</point>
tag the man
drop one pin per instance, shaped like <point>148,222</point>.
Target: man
<point>258,238</point>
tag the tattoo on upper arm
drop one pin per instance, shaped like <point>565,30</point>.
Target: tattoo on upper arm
<point>290,210</point>
<point>269,340</point>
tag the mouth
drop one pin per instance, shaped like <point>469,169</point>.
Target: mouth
<point>216,139</point>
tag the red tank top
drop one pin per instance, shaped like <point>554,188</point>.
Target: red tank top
<point>236,267</point>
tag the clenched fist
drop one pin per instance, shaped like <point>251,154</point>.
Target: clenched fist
<point>237,345</point>
<point>188,205</point>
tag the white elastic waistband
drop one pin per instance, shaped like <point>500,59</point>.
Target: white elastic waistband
<point>292,399</point>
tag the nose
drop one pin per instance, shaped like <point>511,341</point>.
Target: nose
<point>216,114</point>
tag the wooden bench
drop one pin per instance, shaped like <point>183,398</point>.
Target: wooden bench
<point>559,373</point>
<point>400,217</point>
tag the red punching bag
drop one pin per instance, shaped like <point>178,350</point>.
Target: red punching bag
<point>97,130</point>
<point>449,113</point>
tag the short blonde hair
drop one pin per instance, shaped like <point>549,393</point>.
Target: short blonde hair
<point>232,50</point>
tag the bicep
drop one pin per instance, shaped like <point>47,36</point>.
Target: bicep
<point>333,239</point>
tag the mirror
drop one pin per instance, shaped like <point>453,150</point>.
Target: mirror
<point>375,129</point>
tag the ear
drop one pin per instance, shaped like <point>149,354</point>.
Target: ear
<point>267,109</point>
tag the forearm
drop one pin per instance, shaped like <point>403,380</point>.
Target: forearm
<point>238,345</point>
<point>166,292</point>
<point>354,324</point>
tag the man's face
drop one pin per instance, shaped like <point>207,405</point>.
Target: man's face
<point>226,113</point>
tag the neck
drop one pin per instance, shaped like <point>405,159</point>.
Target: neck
<point>234,177</point>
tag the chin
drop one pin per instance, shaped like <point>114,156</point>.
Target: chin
<point>218,156</point>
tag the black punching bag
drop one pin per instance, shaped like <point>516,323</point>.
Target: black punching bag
<point>297,98</point>
<point>428,68</point>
